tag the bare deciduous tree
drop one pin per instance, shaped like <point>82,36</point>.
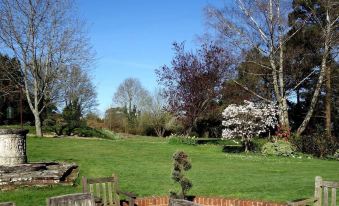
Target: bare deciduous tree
<point>159,117</point>
<point>131,93</point>
<point>77,86</point>
<point>45,36</point>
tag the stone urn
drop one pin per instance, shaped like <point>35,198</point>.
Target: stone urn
<point>13,147</point>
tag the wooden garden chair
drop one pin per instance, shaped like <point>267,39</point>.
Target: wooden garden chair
<point>321,194</point>
<point>79,199</point>
<point>107,189</point>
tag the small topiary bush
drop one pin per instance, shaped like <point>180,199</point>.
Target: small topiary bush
<point>181,164</point>
<point>279,148</point>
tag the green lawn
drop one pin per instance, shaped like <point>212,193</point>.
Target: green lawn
<point>144,166</point>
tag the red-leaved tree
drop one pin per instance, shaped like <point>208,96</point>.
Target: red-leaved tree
<point>194,81</point>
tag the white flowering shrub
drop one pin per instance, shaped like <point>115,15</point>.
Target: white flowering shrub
<point>248,120</point>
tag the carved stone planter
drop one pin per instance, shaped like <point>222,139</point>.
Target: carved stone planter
<point>13,147</point>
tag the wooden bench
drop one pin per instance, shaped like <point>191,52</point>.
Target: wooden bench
<point>79,199</point>
<point>321,194</point>
<point>201,140</point>
<point>107,189</point>
<point>7,204</point>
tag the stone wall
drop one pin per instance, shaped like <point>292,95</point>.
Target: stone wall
<point>37,174</point>
<point>206,201</point>
<point>13,146</point>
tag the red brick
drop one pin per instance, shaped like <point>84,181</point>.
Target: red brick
<point>205,201</point>
<point>212,201</point>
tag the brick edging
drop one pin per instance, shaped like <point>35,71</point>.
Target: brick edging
<point>205,201</point>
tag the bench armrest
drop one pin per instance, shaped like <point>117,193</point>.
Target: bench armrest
<point>128,194</point>
<point>302,202</point>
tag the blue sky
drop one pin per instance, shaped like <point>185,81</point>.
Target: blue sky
<point>132,38</point>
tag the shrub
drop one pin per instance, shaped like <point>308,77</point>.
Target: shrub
<point>87,132</point>
<point>258,143</point>
<point>336,154</point>
<point>318,144</point>
<point>182,139</point>
<point>279,148</point>
<point>55,123</point>
<point>91,132</point>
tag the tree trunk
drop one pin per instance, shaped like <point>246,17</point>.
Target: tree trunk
<point>284,106</point>
<point>159,131</point>
<point>34,107</point>
<point>281,99</point>
<point>38,130</point>
<point>323,71</point>
<point>328,102</point>
<point>314,101</point>
<point>286,123</point>
<point>247,141</point>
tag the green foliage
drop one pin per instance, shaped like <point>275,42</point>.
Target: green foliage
<point>318,144</point>
<point>109,134</point>
<point>69,122</point>
<point>55,123</point>
<point>336,154</point>
<point>87,132</point>
<point>257,144</point>
<point>210,124</point>
<point>91,132</point>
<point>180,165</point>
<point>279,148</point>
<point>182,139</point>
<point>71,115</point>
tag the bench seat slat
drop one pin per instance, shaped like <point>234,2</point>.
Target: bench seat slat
<point>334,196</point>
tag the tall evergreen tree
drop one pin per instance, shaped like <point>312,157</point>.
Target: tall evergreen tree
<point>313,56</point>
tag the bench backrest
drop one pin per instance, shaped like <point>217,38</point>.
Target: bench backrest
<point>79,199</point>
<point>325,192</point>
<point>105,188</point>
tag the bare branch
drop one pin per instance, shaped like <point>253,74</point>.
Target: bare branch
<point>260,30</point>
<point>252,92</point>
<point>303,80</point>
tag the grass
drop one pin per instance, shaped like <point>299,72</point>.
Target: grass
<point>144,165</point>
